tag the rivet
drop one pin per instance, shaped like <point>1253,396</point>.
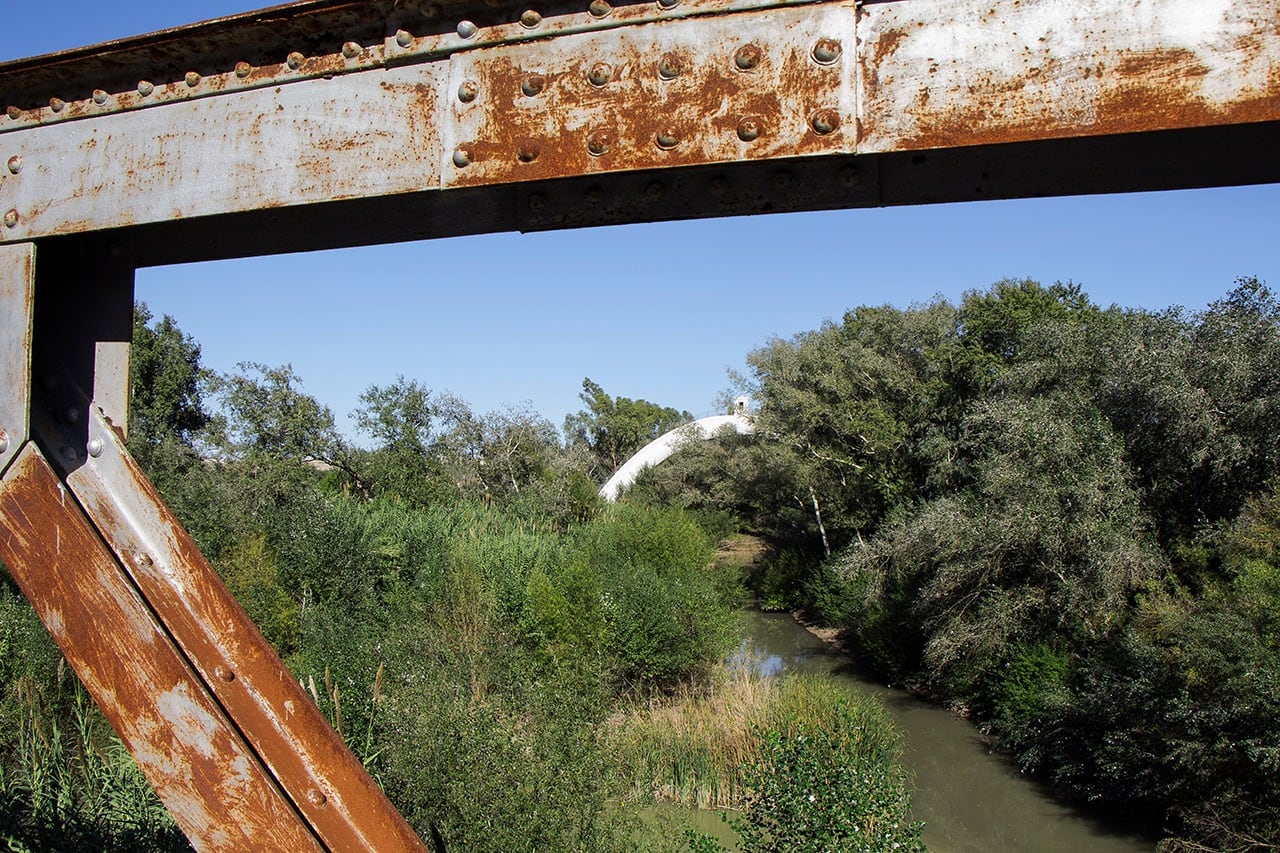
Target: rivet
<point>404,38</point>
<point>529,19</point>
<point>600,74</point>
<point>69,454</point>
<point>668,4</point>
<point>461,158</point>
<point>14,113</point>
<point>783,179</point>
<point>599,142</point>
<point>55,104</point>
<point>669,67</point>
<point>4,442</point>
<point>72,414</point>
<point>749,129</point>
<point>11,218</point>
<point>599,8</point>
<point>849,177</point>
<point>243,69</point>
<point>351,50</point>
<point>15,164</point>
<point>592,196</point>
<point>145,561</point>
<point>467,30</point>
<point>528,152</point>
<point>99,96</point>
<point>145,88</point>
<point>193,79</point>
<point>468,90</point>
<point>654,189</point>
<point>95,447</point>
<point>826,51</point>
<point>294,60</point>
<point>668,138</point>
<point>224,674</point>
<point>317,797</point>
<point>747,57</point>
<point>719,185</point>
<point>533,85</point>
<point>537,201</point>
<point>824,121</point>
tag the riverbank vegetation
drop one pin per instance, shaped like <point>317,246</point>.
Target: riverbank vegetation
<point>490,639</point>
<point>1059,518</point>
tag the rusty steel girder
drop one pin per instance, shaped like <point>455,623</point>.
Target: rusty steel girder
<point>342,122</point>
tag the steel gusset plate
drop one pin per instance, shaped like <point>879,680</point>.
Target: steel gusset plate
<point>741,87</point>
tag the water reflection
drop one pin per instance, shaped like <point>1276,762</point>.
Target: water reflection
<point>970,798</point>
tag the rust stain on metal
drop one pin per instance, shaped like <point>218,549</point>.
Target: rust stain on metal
<point>284,728</point>
<point>676,94</point>
<point>17,292</point>
<point>222,798</point>
<point>1040,71</point>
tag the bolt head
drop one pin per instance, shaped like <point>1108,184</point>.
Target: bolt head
<point>599,8</point>
<point>72,415</point>
<point>192,79</point>
<point>599,142</point>
<point>467,29</point>
<point>14,113</point>
<point>404,38</point>
<point>461,158</point>
<point>351,50</point>
<point>530,19</point>
<point>528,151</point>
<point>55,104</point>
<point>468,91</point>
<point>95,447</point>
<point>222,673</point>
<point>294,60</point>
<point>669,67</point>
<point>749,129</point>
<point>11,218</point>
<point>145,88</point>
<point>316,797</point>
<point>667,138</point>
<point>600,74</point>
<point>243,69</point>
<point>99,96</point>
<point>4,442</point>
<point>747,57</point>
<point>826,51</point>
<point>668,4</point>
<point>15,164</point>
<point>824,121</point>
<point>533,85</point>
<point>145,561</point>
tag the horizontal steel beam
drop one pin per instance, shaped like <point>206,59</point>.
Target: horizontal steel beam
<point>666,110</point>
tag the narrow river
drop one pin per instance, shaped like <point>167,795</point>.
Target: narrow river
<point>969,798</point>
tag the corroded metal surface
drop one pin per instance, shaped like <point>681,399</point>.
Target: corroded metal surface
<point>373,102</point>
<point>17,280</point>
<point>939,74</point>
<point>192,754</point>
<point>356,136</point>
<point>325,782</point>
<point>737,87</point>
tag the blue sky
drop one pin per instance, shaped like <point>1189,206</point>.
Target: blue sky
<point>655,311</point>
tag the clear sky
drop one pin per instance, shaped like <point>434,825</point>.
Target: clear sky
<point>654,311</point>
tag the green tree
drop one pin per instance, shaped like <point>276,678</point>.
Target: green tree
<point>613,428</point>
<point>166,407</point>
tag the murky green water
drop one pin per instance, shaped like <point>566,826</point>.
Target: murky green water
<point>969,798</point>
